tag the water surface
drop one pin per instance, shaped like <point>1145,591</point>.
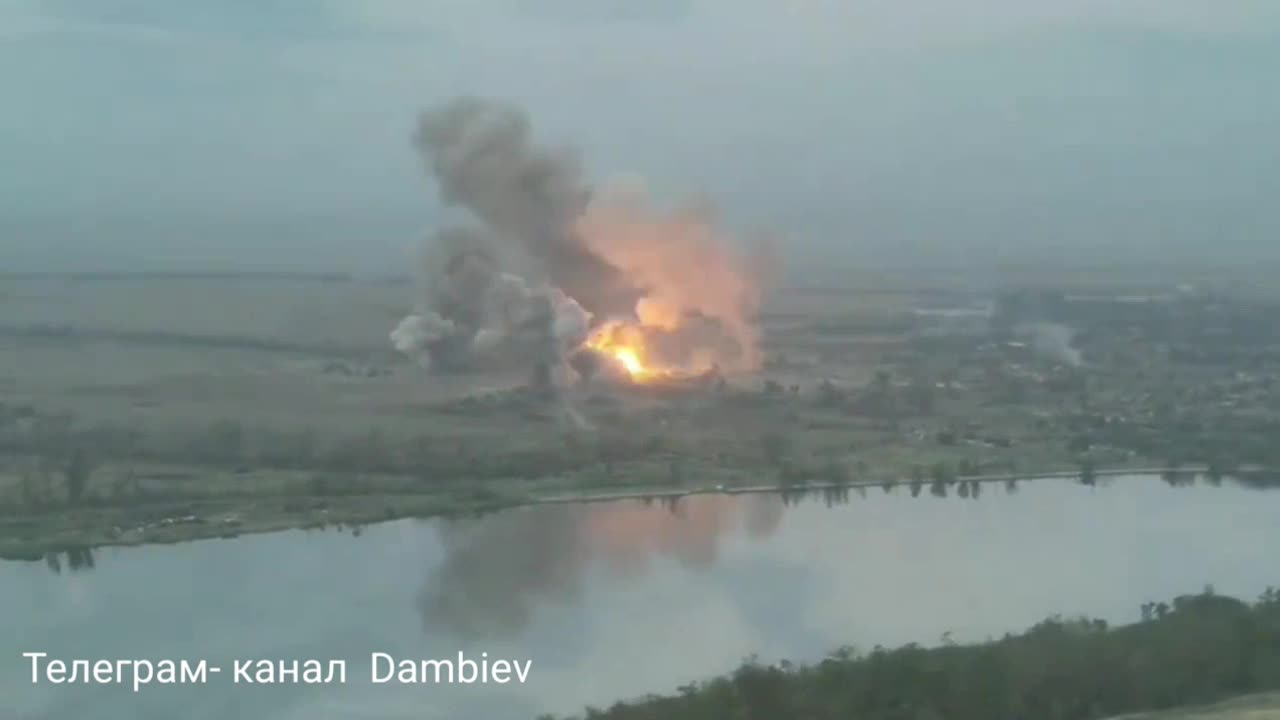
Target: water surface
<point>615,600</point>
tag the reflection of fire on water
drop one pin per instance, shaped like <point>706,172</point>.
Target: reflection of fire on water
<point>500,569</point>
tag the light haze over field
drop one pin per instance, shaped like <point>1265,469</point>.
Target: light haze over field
<point>160,134</point>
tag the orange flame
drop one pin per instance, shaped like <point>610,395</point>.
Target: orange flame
<point>625,344</point>
<point>685,265</point>
<point>628,344</point>
<point>630,361</point>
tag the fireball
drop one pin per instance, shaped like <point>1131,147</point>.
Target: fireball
<point>628,359</point>
<point>638,350</point>
<point>625,345</point>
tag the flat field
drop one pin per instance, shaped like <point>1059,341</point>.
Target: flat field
<point>156,408</point>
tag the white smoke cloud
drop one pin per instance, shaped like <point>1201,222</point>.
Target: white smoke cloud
<point>415,333</point>
<point>572,322</point>
<point>1053,340</point>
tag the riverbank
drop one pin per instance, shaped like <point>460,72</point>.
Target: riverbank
<point>1191,651</point>
<point>32,536</point>
<point>802,488</point>
<point>1261,706</point>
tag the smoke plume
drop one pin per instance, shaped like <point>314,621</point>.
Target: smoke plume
<point>551,260</point>
<point>699,297</point>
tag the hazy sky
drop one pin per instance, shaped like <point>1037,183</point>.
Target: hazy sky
<point>991,123</point>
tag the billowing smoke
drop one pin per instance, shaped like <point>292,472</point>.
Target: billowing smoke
<point>471,308</point>
<point>416,333</point>
<point>700,299</point>
<point>550,259</point>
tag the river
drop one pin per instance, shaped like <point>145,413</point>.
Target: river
<point>614,600</point>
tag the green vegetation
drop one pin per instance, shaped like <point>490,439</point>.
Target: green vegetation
<point>1196,649</point>
<point>857,388</point>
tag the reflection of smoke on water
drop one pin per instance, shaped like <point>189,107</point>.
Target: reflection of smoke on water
<point>497,566</point>
<point>762,518</point>
<point>498,569</point>
<point>77,560</point>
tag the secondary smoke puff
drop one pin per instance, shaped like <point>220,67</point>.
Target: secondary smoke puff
<point>416,333</point>
<point>1053,340</point>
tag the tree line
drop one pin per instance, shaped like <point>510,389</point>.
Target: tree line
<point>1196,649</point>
<point>60,458</point>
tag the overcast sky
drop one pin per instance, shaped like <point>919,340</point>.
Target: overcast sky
<point>861,123</point>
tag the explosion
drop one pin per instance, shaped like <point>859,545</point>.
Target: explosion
<point>624,345</point>
<point>558,269</point>
<point>632,347</point>
<point>644,352</point>
<point>628,358</point>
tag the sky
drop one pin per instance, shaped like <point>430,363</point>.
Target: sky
<point>999,126</point>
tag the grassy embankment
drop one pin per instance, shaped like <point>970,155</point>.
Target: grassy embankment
<point>98,486</point>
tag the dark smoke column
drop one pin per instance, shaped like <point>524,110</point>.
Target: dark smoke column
<point>483,158</point>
